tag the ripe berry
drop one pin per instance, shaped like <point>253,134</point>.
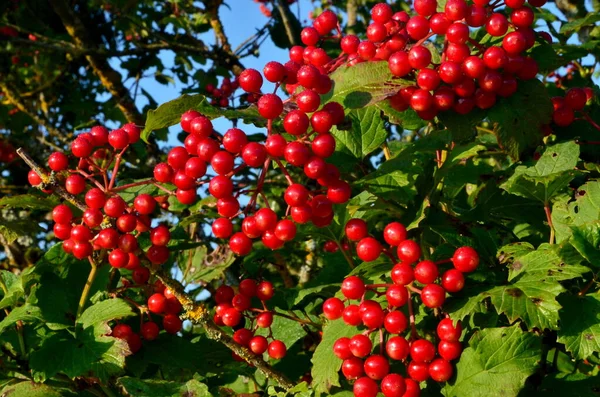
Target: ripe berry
<point>33,178</point>
<point>275,145</point>
<point>118,139</point>
<point>221,162</point>
<point>285,230</point>
<point>222,228</point>
<point>144,204</point>
<point>422,351</point>
<point>157,303</point>
<point>58,161</point>
<point>265,291</point>
<point>393,385</point>
<point>353,287</point>
<point>81,249</point>
<point>395,322</point>
<point>368,249</point>
<point>277,349</point>
<point>465,259</point>
<point>418,371</point>
<point>497,25</point>
<point>396,295</point>
<point>353,368</point>
<point>425,8</point>
<point>270,106</point>
<point>446,330</point>
<point>296,153</point>
<point>456,9</point>
<point>62,232</point>
<point>201,126</point>
<point>254,154</point>
<point>402,274</point>
<point>323,145</point>
<point>426,272</point>
<point>234,140</point>
<point>351,315</point>
<point>140,275</point>
<point>453,280</point>
<point>341,349</point>
<point>172,323</point>
<point>149,330</point>
<point>231,317</point>
<point>356,229</point>
<point>250,80</point>
<point>360,345</point>
<point>122,331</point>
<point>365,387</point>
<point>62,214</point>
<point>440,370</point>
<point>576,98</point>
<point>240,244</point>
<point>409,251</point>
<point>220,186</point>
<point>258,344</point>
<point>224,294</point>
<point>433,296</point>
<point>419,57</point>
<point>333,308</point>
<point>264,320</point>
<point>376,367</point>
<point>274,71</point>
<point>449,350</point>
<point>163,173</point>
<point>296,195</point>
<point>186,119</point>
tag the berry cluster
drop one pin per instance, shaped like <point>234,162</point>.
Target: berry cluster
<point>565,107</point>
<point>161,303</point>
<point>310,145</point>
<point>221,95</point>
<point>390,318</point>
<point>108,224</point>
<point>237,311</point>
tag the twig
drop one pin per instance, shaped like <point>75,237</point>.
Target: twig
<point>87,288</point>
<point>49,181</point>
<point>549,219</point>
<point>285,13</point>
<point>198,314</point>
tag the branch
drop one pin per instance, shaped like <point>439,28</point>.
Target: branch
<point>198,314</point>
<point>286,14</point>
<point>212,10</point>
<point>110,78</point>
<point>49,181</point>
<point>351,12</point>
<point>14,98</point>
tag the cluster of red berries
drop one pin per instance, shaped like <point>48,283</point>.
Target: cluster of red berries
<point>392,321</point>
<point>310,145</point>
<point>565,107</point>
<point>220,96</point>
<point>237,311</point>
<point>108,224</point>
<point>7,152</point>
<point>161,303</point>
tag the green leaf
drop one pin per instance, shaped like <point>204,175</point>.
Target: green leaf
<point>361,85</point>
<point>394,180</point>
<point>586,240</point>
<point>131,193</point>
<point>162,388</point>
<point>518,119</point>
<point>286,330</point>
<point>14,289</point>
<point>104,311</point>
<point>325,364</point>
<point>29,201</point>
<point>573,385</point>
<point>498,359</point>
<point>551,173</point>
<point>86,354</point>
<point>365,136</point>
<point>580,325</point>
<point>408,119</point>
<point>30,389</point>
<point>26,313</point>
<point>462,126</point>
<point>169,113</point>
<point>577,24</point>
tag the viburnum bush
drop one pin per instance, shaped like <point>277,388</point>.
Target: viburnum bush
<point>412,211</point>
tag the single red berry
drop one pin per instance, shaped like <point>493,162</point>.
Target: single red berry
<point>254,154</point>
<point>426,272</point>
<point>33,178</point>
<point>157,303</point>
<point>376,367</point>
<point>258,344</point>
<point>265,291</point>
<point>58,161</point>
<point>222,228</point>
<point>240,244</point>
<point>333,308</point>
<point>122,331</point>
<point>418,371</point>
<point>270,106</point>
<point>393,385</point>
<point>186,119</point>
<point>220,186</point>
<point>144,204</point>
<point>360,345</point>
<point>465,259</point>
<point>118,139</point>
<point>172,323</point>
<point>365,387</point>
<point>402,274</point>
<point>277,350</point>
<point>353,368</point>
<point>368,249</point>
<point>440,370</point>
<point>264,320</point>
<point>446,330</point>
<point>149,330</point>
<point>396,295</point>
<point>422,351</point>
<point>395,322</point>
<point>453,280</point>
<point>224,294</point>
<point>409,251</point>
<point>449,350</point>
<point>81,148</point>
<point>250,80</point>
<point>433,296</point>
<point>353,287</point>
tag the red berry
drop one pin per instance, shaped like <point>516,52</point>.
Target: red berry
<point>118,139</point>
<point>396,295</point>
<point>368,249</point>
<point>576,98</point>
<point>62,214</point>
<point>422,351</point>
<point>33,178</point>
<point>220,186</point>
<point>418,371</point>
<point>341,349</point>
<point>360,345</point>
<point>409,251</point>
<point>395,322</point>
<point>264,320</point>
<point>393,385</point>
<point>222,228</point>
<point>144,204</point>
<point>224,294</point>
<point>353,368</point>
<point>402,274</point>
<point>449,350</point>
<point>440,370</point>
<point>149,330</point>
<point>376,367</point>
<point>465,259</point>
<point>353,287</point>
<point>122,331</point>
<point>240,244</point>
<point>186,119</point>
<point>258,344</point>
<point>351,315</point>
<point>433,296</point>
<point>397,348</point>
<point>270,106</point>
<point>157,303</point>
<point>277,349</point>
<point>254,154</point>
<point>265,291</point>
<point>231,317</point>
<point>234,140</point>
<point>250,80</point>
<point>201,126</point>
<point>172,323</point>
<point>58,161</point>
<point>447,331</point>
<point>333,308</point>
<point>453,280</point>
<point>365,387</point>
<point>426,272</point>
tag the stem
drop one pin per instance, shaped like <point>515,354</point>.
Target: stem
<point>106,390</point>
<point>590,120</point>
<point>549,218</point>
<point>411,318</point>
<point>285,172</point>
<point>18,325</point>
<point>585,289</point>
<point>49,181</point>
<point>198,314</point>
<point>259,184</point>
<point>113,177</point>
<point>289,317</point>
<point>86,289</point>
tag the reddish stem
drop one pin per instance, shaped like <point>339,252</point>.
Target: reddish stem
<point>90,178</point>
<point>285,172</point>
<point>443,261</point>
<point>164,189</point>
<point>590,120</point>
<point>411,318</point>
<point>113,177</point>
<point>260,183</point>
